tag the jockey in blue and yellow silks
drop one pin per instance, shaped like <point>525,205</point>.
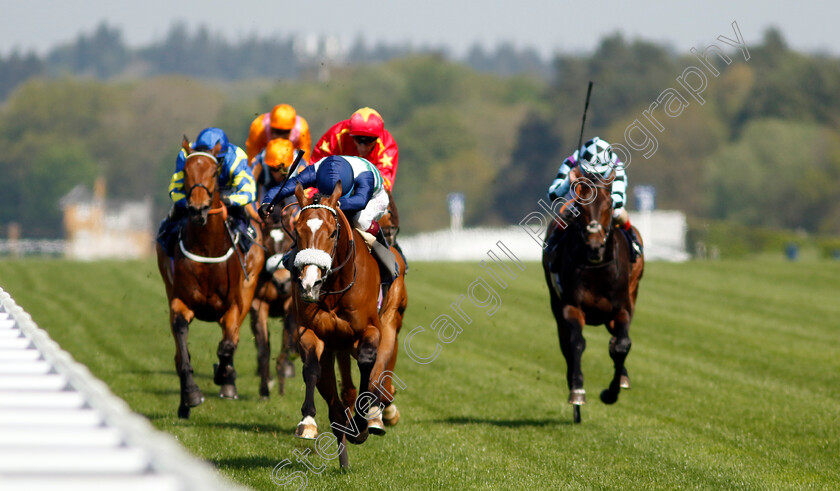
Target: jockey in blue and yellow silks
<point>236,184</point>
<point>235,181</point>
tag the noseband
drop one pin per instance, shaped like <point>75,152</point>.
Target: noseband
<point>318,257</point>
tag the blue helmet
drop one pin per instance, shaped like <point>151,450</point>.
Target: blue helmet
<point>331,170</point>
<point>209,137</point>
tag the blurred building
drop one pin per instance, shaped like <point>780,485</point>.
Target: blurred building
<point>97,228</point>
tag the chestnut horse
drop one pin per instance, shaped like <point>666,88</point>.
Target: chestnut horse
<point>205,278</point>
<point>273,299</point>
<point>592,282</point>
<point>335,302</point>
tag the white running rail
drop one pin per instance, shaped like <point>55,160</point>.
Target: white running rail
<point>63,429</point>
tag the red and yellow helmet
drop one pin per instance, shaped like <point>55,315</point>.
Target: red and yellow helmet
<point>279,154</point>
<point>366,122</point>
<point>283,117</point>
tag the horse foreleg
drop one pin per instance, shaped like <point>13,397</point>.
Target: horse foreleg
<point>328,390</point>
<point>225,375</point>
<point>619,348</point>
<point>284,366</point>
<point>311,350</point>
<point>191,395</point>
<point>259,326</point>
<point>348,389</point>
<point>572,343</point>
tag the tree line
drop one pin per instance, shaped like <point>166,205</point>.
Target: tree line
<point>763,150</point>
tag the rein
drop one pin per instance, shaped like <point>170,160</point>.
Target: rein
<point>351,252</point>
<point>222,209</point>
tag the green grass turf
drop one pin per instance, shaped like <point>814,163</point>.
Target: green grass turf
<point>735,369</point>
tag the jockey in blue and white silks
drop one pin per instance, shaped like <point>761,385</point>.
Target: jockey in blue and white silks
<point>602,160</point>
<point>596,157</point>
<point>363,199</point>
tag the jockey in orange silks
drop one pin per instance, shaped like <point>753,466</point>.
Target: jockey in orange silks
<point>282,122</point>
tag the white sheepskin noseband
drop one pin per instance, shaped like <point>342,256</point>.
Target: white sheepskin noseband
<point>315,257</point>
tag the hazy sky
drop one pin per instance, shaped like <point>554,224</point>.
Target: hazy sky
<point>549,26</point>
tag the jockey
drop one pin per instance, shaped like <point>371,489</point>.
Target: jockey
<point>596,156</point>
<point>282,122</point>
<point>364,200</point>
<point>274,161</point>
<point>236,185</point>
<point>363,135</point>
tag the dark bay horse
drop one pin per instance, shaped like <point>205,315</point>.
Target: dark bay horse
<point>335,302</point>
<point>205,279</point>
<point>592,282</point>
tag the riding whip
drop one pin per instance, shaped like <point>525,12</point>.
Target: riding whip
<point>291,171</point>
<point>583,123</point>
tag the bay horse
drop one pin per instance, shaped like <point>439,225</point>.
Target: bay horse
<point>592,282</point>
<point>335,302</point>
<point>273,298</point>
<point>205,279</point>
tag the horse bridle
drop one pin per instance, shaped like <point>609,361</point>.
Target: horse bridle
<point>221,209</point>
<point>594,226</point>
<point>202,186</point>
<point>350,253</point>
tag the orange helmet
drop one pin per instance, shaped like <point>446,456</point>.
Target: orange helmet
<point>279,154</point>
<point>366,122</point>
<point>283,117</point>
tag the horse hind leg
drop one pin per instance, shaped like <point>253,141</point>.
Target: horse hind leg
<point>191,395</point>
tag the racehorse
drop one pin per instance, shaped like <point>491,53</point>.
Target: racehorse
<point>335,302</point>
<point>592,282</point>
<point>273,298</point>
<point>205,278</point>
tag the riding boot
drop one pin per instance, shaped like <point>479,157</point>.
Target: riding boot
<point>389,268</point>
<point>637,245</point>
<point>169,226</point>
<point>399,249</point>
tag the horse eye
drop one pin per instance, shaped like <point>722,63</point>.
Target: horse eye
<point>334,233</point>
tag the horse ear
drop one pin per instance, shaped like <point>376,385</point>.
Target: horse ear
<point>185,144</point>
<point>337,192</point>
<point>301,196</point>
<point>217,149</point>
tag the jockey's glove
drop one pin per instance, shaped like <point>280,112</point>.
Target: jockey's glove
<point>265,210</point>
<point>226,201</point>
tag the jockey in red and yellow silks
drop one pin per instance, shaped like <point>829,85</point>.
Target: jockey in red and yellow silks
<point>363,135</point>
<point>282,122</point>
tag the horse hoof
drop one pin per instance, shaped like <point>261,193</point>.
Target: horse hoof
<point>577,397</point>
<point>307,429</point>
<point>374,421</point>
<point>193,397</point>
<point>228,391</point>
<point>289,369</point>
<point>184,411</point>
<point>609,397</point>
<point>391,415</point>
<point>265,391</point>
<point>624,382</point>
